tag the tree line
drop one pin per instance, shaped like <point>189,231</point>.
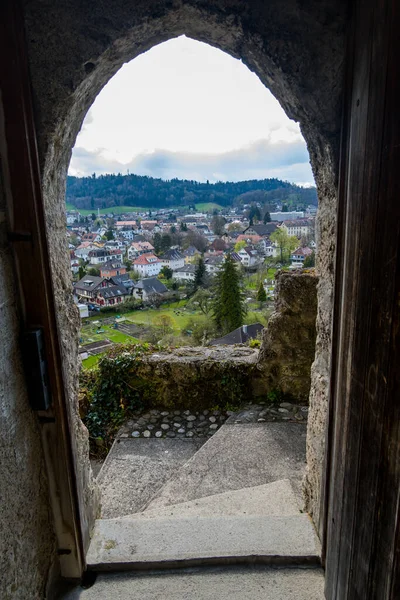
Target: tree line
<point>105,191</point>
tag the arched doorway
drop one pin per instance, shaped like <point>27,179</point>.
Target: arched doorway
<point>299,55</point>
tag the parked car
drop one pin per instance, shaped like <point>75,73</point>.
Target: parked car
<point>93,307</point>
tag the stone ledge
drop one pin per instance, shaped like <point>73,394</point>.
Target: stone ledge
<point>238,354</point>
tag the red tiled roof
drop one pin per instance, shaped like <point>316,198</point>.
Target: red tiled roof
<point>144,259</point>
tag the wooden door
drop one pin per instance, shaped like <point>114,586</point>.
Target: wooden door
<point>362,530</point>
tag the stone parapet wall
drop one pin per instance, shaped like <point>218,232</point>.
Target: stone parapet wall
<point>197,378</point>
<point>288,346</point>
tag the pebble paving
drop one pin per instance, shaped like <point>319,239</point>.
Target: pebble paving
<point>189,424</point>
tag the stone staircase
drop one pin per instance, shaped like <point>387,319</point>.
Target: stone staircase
<point>229,511</point>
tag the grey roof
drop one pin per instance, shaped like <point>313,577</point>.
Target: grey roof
<point>113,291</point>
<point>171,255</point>
<point>151,285</point>
<point>239,336</point>
<point>214,260</point>
<point>191,251</point>
<point>88,282</point>
<point>266,229</point>
<point>98,252</point>
<point>111,264</point>
<point>186,269</point>
<point>124,280</point>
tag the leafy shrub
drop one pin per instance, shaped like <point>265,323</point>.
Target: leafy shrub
<point>201,332</point>
<point>127,306</point>
<point>106,397</point>
<point>254,343</point>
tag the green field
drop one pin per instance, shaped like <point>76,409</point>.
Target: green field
<point>208,206</point>
<point>252,281</point>
<point>91,361</point>
<point>177,312</point>
<point>88,334</point>
<point>118,210</point>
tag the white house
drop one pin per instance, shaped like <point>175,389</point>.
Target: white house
<point>127,234</point>
<point>282,216</point>
<point>298,227</point>
<point>249,257</point>
<point>147,265</point>
<point>213,264</point>
<point>186,273</point>
<point>138,248</point>
<point>73,217</point>
<point>98,256</point>
<point>172,259</point>
<point>146,289</point>
<point>265,247</point>
<point>82,251</point>
<point>298,256</point>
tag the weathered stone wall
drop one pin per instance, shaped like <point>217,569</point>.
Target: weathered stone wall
<point>288,346</point>
<point>295,48</point>
<point>27,542</point>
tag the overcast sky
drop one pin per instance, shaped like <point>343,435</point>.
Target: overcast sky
<point>187,110</point>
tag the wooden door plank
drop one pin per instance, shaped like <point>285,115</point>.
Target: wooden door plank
<point>26,215</point>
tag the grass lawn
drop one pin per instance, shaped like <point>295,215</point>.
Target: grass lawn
<point>252,281</point>
<point>178,315</point>
<point>88,335</point>
<point>111,209</point>
<point>208,206</point>
<point>256,317</point>
<point>91,361</point>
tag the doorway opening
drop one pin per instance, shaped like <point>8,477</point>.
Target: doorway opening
<point>322,144</point>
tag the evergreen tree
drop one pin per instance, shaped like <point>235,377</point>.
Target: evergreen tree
<point>199,273</point>
<point>166,272</point>
<point>157,242</point>
<point>261,293</point>
<point>309,261</point>
<point>267,218</point>
<point>254,213</point>
<point>228,306</point>
<point>166,242</point>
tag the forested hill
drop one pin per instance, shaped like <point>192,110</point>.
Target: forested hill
<point>105,191</point>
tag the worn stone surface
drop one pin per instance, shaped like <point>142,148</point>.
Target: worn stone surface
<point>271,499</point>
<point>238,456</point>
<point>135,469</point>
<point>222,583</point>
<point>288,345</point>
<point>170,541</point>
<point>297,51</point>
<point>261,413</point>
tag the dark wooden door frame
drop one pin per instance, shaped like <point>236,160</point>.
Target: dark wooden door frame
<point>27,229</point>
<point>361,533</point>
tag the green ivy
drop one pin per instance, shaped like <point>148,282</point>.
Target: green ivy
<point>107,397</point>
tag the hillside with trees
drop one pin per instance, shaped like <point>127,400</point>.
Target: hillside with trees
<point>105,191</point>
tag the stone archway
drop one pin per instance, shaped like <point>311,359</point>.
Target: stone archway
<point>296,50</point>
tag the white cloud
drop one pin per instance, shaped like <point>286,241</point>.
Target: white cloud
<point>185,109</point>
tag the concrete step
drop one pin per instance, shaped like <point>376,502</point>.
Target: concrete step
<point>221,583</point>
<point>272,499</point>
<point>193,541</point>
<point>238,456</point>
<point>135,469</point>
